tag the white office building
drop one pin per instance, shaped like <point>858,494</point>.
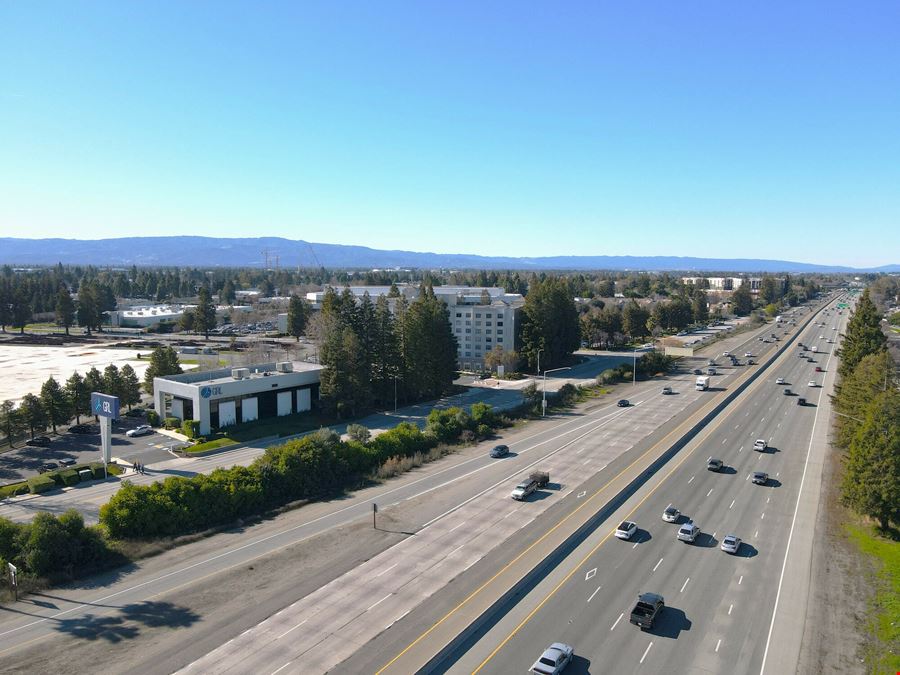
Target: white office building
<point>229,396</point>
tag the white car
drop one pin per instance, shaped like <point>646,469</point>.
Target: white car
<point>554,659</point>
<point>811,384</point>
<point>671,514</point>
<point>747,354</point>
<point>141,430</point>
<point>626,530</point>
<point>731,544</point>
<point>688,532</point>
<point>780,380</point>
<point>760,445</point>
<point>726,353</point>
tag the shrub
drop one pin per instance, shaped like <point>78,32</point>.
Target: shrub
<point>191,428</point>
<point>40,484</point>
<point>13,490</point>
<point>153,418</point>
<point>171,422</point>
<point>69,477</point>
<point>467,436</point>
<point>483,431</point>
<point>567,394</point>
<point>97,469</point>
<point>358,433</point>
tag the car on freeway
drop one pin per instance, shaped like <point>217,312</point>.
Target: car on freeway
<point>819,369</point>
<point>747,355</point>
<point>787,392</point>
<point>731,544</point>
<point>697,371</point>
<point>710,362</point>
<point>801,401</point>
<point>760,445</point>
<point>780,380</point>
<point>811,383</point>
<point>67,462</point>
<point>688,532</point>
<point>671,514</point>
<point>499,451</point>
<point>39,441</point>
<point>48,466</point>
<point>623,403</point>
<point>84,429</point>
<point>760,477</point>
<point>713,464</point>
<point>554,659</point>
<point>666,390</point>
<point>626,530</point>
<point>141,430</point>
<point>726,353</point>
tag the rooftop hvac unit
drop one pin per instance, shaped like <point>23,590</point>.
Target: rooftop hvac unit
<point>240,373</point>
<point>284,367</point>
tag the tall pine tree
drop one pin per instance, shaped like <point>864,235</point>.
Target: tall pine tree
<point>863,335</point>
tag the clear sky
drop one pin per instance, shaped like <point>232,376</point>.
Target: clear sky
<point>725,129</point>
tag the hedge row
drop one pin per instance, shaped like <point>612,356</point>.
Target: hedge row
<point>313,467</point>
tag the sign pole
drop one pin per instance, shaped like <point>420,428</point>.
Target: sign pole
<point>14,579</point>
<point>374,511</point>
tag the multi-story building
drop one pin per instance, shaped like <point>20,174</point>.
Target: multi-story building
<point>481,317</point>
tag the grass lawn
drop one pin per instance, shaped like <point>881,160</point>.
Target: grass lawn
<point>276,426</point>
<point>884,618</point>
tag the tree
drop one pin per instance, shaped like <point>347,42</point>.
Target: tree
<point>742,300</point>
<point>863,335</point>
<point>699,306</point>
<point>297,316</point>
<point>186,322</point>
<point>11,421</point>
<point>227,294</point>
<point>872,479</point>
<point>88,312</point>
<point>33,413</point>
<point>130,394</point>
<point>65,308</point>
<point>55,403</point>
<point>498,356</point>
<point>768,291</point>
<point>870,377</point>
<point>549,323</point>
<point>634,321</point>
<point>342,383</point>
<point>163,361</point>
<point>429,347</point>
<point>79,396</point>
<point>21,309</point>
<point>93,381</point>
<point>385,355</point>
<point>204,313</point>
<point>112,381</point>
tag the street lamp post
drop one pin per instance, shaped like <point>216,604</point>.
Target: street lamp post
<point>544,395</point>
<point>539,359</point>
<point>634,369</point>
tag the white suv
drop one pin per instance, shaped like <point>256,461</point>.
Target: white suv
<point>688,532</point>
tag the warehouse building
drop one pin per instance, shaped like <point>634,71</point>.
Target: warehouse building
<point>229,396</point>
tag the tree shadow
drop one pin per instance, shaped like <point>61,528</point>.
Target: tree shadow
<point>89,627</point>
<point>127,624</point>
<point>669,623</point>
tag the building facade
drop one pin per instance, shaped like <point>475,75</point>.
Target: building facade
<point>229,396</point>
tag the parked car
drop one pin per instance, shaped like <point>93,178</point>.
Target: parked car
<point>499,451</point>
<point>141,430</point>
<point>84,429</point>
<point>39,441</point>
<point>67,462</point>
<point>554,659</point>
<point>48,466</point>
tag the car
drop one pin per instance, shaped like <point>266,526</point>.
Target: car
<point>799,344</point>
<point>666,390</point>
<point>84,429</point>
<point>811,383</point>
<point>787,392</point>
<point>710,362</point>
<point>747,355</point>
<point>714,464</point>
<point>499,451</point>
<point>38,441</point>
<point>626,530</point>
<point>780,380</point>
<point>726,353</point>
<point>762,339</point>
<point>760,477</point>
<point>760,445</point>
<point>67,462</point>
<point>47,466</point>
<point>554,659</point>
<point>731,544</point>
<point>141,430</point>
<point>671,514</point>
<point>697,371</point>
<point>819,369</point>
<point>623,403</point>
<point>801,401</point>
<point>688,532</point>
<point>821,337</point>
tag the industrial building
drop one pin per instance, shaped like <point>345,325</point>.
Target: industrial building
<point>229,396</point>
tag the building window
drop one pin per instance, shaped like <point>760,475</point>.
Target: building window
<point>477,316</point>
<point>477,323</point>
<point>499,331</point>
<point>468,330</point>
<point>487,323</point>
<point>459,315</point>
<point>499,323</point>
<point>487,339</point>
<point>468,353</point>
<point>468,323</point>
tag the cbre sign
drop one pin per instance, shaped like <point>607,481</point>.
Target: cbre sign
<point>105,405</point>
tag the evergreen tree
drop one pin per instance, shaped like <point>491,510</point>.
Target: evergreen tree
<point>65,308</point>
<point>863,336</point>
<point>79,396</point>
<point>871,376</point>
<point>163,361</point>
<point>93,382</point>
<point>549,323</point>
<point>112,381</point>
<point>385,352</point>
<point>204,313</point>
<point>227,294</point>
<point>699,306</point>
<point>742,300</point>
<point>33,413</point>
<point>88,312</point>
<point>429,347</point>
<point>634,321</point>
<point>56,403</point>
<point>341,383</point>
<point>5,304</point>
<point>21,308</point>
<point>11,422</point>
<point>872,479</point>
<point>297,316</point>
<point>130,394</point>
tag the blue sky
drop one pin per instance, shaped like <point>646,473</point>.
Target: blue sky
<point>765,130</point>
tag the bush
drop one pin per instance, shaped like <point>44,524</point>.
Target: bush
<point>483,431</point>
<point>358,433</point>
<point>567,394</point>
<point>97,469</point>
<point>69,477</point>
<point>191,428</point>
<point>153,418</point>
<point>13,490</point>
<point>171,423</point>
<point>40,484</point>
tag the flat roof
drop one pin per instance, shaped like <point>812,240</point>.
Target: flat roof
<point>257,370</point>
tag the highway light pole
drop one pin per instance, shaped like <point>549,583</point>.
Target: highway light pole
<point>634,369</point>
<point>539,359</point>
<point>544,396</point>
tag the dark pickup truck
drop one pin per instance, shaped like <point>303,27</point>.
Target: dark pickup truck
<point>648,607</point>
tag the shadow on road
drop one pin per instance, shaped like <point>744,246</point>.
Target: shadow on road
<point>706,540</point>
<point>728,470</point>
<point>747,551</point>
<point>579,664</point>
<point>126,624</point>
<point>670,623</point>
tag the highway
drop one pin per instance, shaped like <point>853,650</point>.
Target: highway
<point>435,499</point>
<point>719,607</point>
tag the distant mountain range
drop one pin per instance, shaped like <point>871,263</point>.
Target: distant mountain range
<point>289,253</point>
